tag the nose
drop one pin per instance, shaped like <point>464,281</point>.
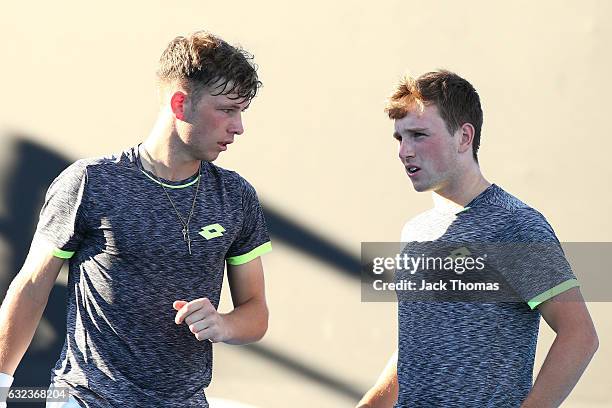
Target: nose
<point>406,151</point>
<point>236,125</point>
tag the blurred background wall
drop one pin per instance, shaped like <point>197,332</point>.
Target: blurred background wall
<point>77,80</point>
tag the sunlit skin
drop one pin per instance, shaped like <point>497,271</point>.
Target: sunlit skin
<point>189,130</point>
<point>445,162</point>
<point>209,126</point>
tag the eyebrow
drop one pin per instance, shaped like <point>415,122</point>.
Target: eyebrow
<point>413,130</point>
<point>408,130</point>
<point>236,106</point>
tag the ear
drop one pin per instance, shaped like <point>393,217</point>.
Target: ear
<point>466,136</point>
<point>177,104</point>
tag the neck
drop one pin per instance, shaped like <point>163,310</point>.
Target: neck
<point>461,191</point>
<point>165,154</point>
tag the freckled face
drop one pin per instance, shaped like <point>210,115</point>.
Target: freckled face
<point>425,145</point>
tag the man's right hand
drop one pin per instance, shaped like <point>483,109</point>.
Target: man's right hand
<point>5,383</point>
<point>24,304</point>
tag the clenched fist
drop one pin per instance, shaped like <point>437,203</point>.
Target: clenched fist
<point>203,319</point>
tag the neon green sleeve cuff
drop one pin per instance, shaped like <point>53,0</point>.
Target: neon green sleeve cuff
<point>249,256</point>
<point>552,292</point>
<point>62,254</point>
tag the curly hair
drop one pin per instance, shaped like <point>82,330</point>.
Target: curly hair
<point>203,60</point>
<point>456,100</point>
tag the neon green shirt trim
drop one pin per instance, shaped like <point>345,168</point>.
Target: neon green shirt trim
<point>249,256</point>
<point>62,254</point>
<point>170,185</point>
<point>462,210</point>
<point>552,292</point>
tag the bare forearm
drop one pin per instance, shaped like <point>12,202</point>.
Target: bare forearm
<point>384,393</point>
<point>565,362</point>
<point>247,323</point>
<point>380,396</point>
<point>20,314</point>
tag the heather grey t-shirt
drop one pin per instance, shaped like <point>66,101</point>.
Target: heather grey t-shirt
<point>479,354</point>
<point>129,263</point>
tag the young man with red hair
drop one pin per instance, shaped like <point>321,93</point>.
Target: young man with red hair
<point>476,354</point>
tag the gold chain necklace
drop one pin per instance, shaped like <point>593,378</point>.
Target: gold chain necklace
<point>185,224</point>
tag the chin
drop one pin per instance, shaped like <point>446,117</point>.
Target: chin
<point>209,157</point>
<point>420,189</point>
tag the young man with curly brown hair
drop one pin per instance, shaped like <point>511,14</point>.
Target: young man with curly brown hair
<point>147,233</point>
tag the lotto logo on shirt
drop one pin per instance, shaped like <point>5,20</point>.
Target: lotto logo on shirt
<point>212,231</point>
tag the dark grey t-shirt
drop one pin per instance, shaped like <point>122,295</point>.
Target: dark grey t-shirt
<point>471,354</point>
<point>129,263</point>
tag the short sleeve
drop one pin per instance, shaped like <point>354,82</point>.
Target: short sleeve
<point>533,262</point>
<point>253,239</point>
<point>61,222</point>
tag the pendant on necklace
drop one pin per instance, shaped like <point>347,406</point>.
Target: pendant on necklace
<point>187,238</point>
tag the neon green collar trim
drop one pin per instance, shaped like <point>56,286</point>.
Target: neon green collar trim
<point>462,210</point>
<point>170,185</point>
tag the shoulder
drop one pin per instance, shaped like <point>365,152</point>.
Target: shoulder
<point>230,179</point>
<point>72,176</point>
<point>79,174</point>
<point>84,166</point>
<point>530,225</point>
<point>116,161</point>
<point>515,219</point>
<point>420,224</point>
<point>502,201</point>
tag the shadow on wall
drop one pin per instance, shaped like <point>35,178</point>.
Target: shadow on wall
<point>26,170</point>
